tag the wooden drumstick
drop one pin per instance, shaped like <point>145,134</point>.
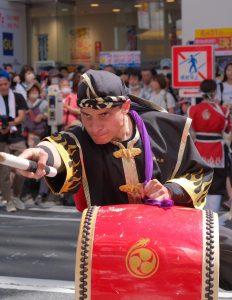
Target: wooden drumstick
<point>24,164</point>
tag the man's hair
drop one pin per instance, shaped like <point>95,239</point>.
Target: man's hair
<point>136,73</point>
<point>154,71</point>
<point>127,71</point>
<point>146,69</point>
<point>111,67</point>
<point>63,68</point>
<point>7,65</point>
<point>208,86</point>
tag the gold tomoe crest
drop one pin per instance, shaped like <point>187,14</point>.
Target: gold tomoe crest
<point>142,261</point>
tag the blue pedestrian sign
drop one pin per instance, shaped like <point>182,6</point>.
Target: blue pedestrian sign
<point>191,65</point>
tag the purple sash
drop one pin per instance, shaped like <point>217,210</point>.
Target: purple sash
<point>148,160</point>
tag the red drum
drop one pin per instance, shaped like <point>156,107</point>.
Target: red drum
<point>145,252</point>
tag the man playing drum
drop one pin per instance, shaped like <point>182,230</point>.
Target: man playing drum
<point>127,151</point>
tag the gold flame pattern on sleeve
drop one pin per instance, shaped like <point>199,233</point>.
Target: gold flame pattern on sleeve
<point>69,154</point>
<point>196,185</point>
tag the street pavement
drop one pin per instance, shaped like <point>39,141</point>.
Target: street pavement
<point>37,253</point>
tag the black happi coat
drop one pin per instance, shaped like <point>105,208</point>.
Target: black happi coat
<point>176,162</point>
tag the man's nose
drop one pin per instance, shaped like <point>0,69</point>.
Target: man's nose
<point>96,127</point>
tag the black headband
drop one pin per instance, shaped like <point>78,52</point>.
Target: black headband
<point>101,89</point>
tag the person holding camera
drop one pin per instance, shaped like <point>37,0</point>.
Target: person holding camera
<point>12,112</point>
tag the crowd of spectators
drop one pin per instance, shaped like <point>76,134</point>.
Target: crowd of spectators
<point>25,98</point>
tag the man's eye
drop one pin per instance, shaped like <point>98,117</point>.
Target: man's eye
<point>86,116</point>
<point>104,115</point>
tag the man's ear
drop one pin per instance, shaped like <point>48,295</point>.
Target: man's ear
<point>126,106</point>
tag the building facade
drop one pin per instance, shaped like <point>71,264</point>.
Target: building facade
<point>76,31</point>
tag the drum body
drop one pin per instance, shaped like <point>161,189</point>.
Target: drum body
<point>146,252</point>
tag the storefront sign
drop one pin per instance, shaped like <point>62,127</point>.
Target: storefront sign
<point>120,58</point>
<point>221,38</point>
<point>191,65</point>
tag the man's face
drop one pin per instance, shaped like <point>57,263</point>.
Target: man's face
<point>64,73</point>
<point>134,81</point>
<point>4,86</point>
<point>104,125</point>
<point>146,77</point>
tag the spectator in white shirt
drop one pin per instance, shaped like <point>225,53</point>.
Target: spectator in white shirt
<point>160,95</point>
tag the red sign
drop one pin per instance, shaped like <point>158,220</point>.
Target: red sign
<point>98,49</point>
<point>191,65</point>
<point>190,93</point>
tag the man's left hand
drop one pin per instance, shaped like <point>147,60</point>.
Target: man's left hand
<point>156,191</point>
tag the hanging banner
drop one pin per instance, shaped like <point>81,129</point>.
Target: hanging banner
<point>8,44</point>
<point>43,46</point>
<point>81,45</point>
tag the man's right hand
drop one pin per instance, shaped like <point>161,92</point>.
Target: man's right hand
<point>38,155</point>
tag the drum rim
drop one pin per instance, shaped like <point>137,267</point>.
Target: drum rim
<point>84,253</point>
<point>210,257</point>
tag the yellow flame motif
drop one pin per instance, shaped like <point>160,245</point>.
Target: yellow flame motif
<point>141,260</point>
<point>68,152</point>
<point>200,185</point>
